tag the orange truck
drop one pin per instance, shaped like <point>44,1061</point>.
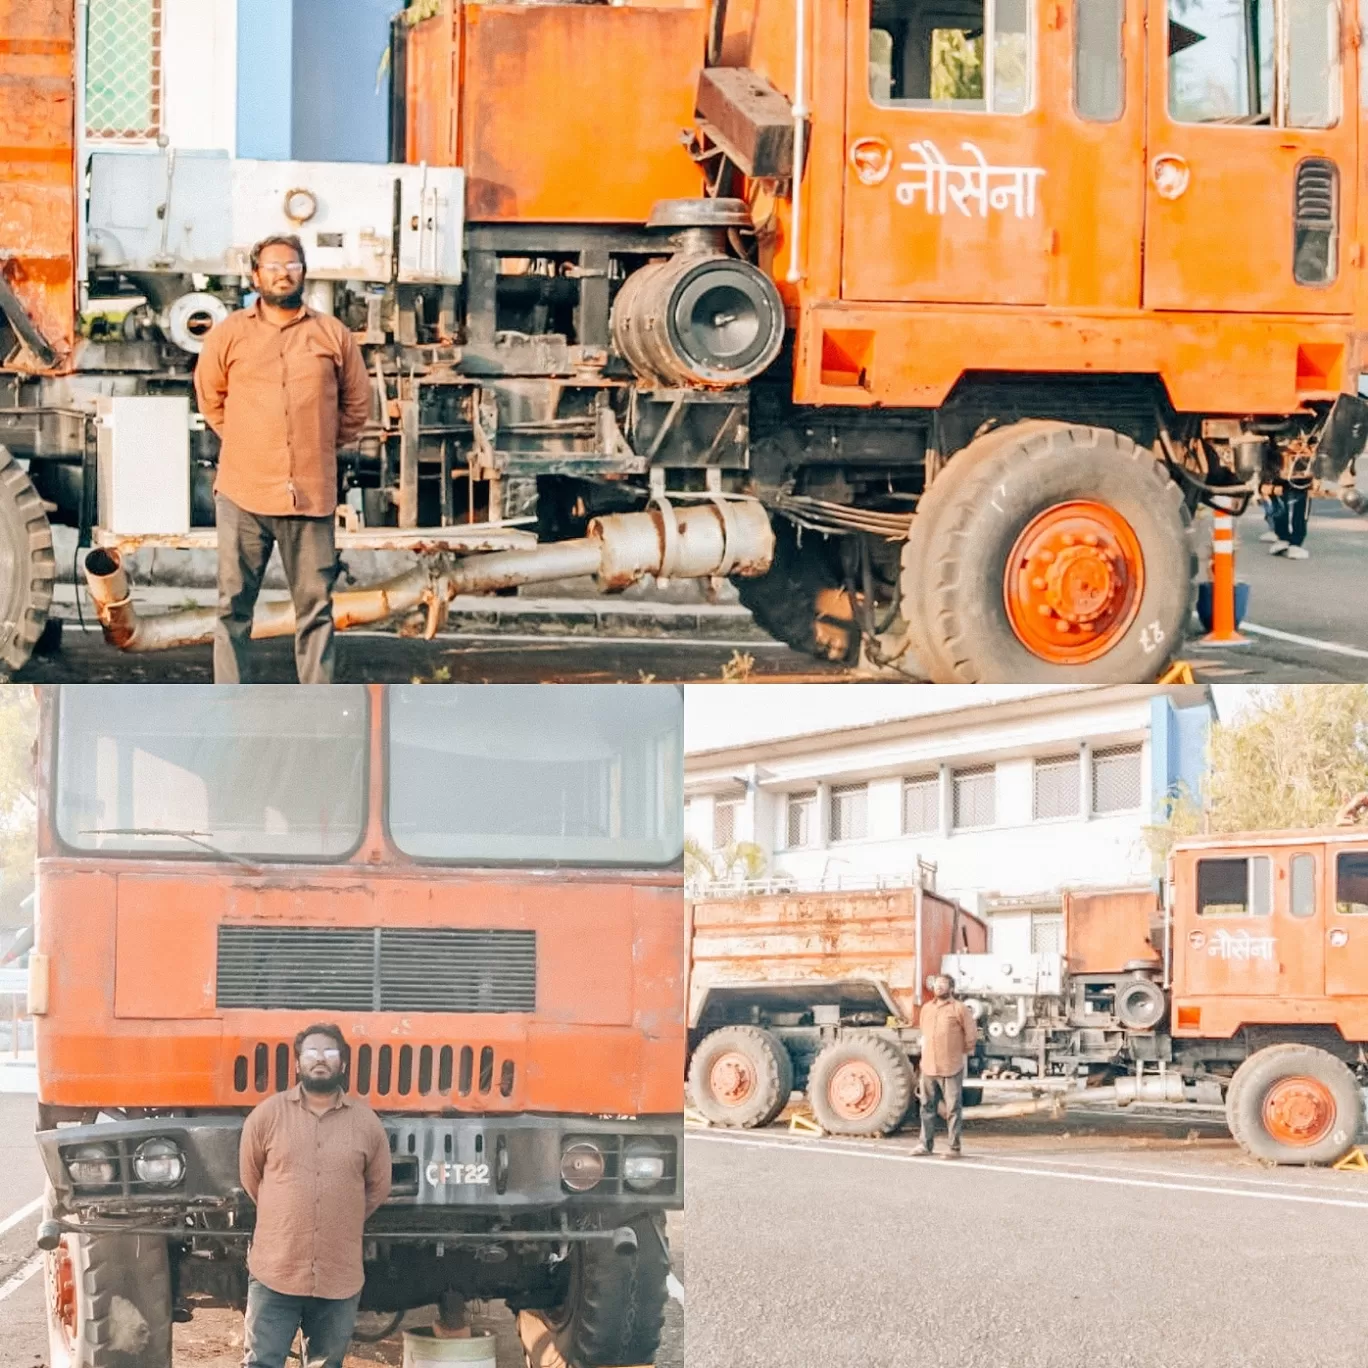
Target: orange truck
<point>819,991</point>
<point>481,886</point>
<point>931,325</point>
<point>1244,986</point>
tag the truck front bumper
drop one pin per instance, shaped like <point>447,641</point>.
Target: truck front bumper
<point>492,1166</point>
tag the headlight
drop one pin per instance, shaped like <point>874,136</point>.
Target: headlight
<point>159,1163</point>
<point>582,1166</point>
<point>92,1166</point>
<point>643,1165</point>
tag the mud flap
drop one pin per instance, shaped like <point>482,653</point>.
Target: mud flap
<point>1343,437</point>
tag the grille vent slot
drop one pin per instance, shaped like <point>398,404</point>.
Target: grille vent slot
<point>376,969</point>
<point>1315,258</point>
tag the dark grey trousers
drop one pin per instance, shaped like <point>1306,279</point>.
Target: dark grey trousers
<point>308,552</point>
<point>273,1320</point>
<point>935,1090</point>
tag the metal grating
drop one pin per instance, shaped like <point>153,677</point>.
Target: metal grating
<point>724,825</point>
<point>975,797</point>
<point>1116,779</point>
<point>921,805</point>
<point>381,969</point>
<point>1056,787</point>
<point>124,68</point>
<point>849,812</point>
<point>802,807</point>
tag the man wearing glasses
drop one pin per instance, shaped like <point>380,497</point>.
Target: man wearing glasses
<point>317,1163</point>
<point>284,386</point>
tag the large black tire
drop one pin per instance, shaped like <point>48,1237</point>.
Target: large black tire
<point>866,1057</point>
<point>121,1316</point>
<point>801,600</point>
<point>968,522</point>
<point>615,1303</point>
<point>27,566</point>
<point>770,1073</point>
<point>1252,1097</point>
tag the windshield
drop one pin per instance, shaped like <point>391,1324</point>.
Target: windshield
<point>535,774</point>
<point>206,771</point>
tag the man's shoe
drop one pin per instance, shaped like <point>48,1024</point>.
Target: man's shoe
<point>920,1152</point>
<point>1298,553</point>
<point>1278,548</point>
<point>954,1154</point>
<point>1269,537</point>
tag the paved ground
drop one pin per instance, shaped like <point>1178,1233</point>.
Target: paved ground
<point>1307,622</point>
<point>213,1339</point>
<point>1130,1244</point>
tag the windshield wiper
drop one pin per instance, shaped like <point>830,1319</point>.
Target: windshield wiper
<point>194,837</point>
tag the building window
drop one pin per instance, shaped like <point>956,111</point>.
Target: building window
<point>1116,779</point>
<point>1047,933</point>
<point>1056,787</point>
<point>124,69</point>
<point>800,825</point>
<point>921,805</point>
<point>975,792</point>
<point>724,824</point>
<point>849,810</point>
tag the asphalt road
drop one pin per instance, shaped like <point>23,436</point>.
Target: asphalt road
<point>1118,1243</point>
<point>214,1338</point>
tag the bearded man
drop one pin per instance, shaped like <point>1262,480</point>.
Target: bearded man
<point>284,386</point>
<point>317,1164</point>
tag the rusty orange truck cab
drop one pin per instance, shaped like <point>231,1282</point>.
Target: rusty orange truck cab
<point>931,323</point>
<point>480,885</point>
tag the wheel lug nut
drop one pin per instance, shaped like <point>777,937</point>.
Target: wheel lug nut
<point>1061,626</point>
<point>1044,609</point>
<point>1046,557</point>
<point>1069,539</point>
<point>1038,582</point>
<point>1091,539</point>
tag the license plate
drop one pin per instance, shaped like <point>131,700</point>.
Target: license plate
<point>441,1174</point>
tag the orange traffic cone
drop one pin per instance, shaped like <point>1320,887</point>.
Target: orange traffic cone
<point>1223,631</point>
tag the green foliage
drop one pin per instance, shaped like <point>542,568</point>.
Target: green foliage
<point>18,799</point>
<point>956,65</point>
<point>1292,759</point>
<point>740,862</point>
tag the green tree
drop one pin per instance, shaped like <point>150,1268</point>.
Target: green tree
<point>1292,759</point>
<point>737,863</point>
<point>18,799</point>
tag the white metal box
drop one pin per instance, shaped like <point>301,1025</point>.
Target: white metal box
<point>1039,975</point>
<point>185,212</point>
<point>142,443</point>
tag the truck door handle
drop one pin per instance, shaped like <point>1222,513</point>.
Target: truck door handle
<point>1338,937</point>
<point>1170,174</point>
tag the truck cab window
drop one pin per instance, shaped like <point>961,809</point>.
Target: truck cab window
<point>1269,62</point>
<point>1302,894</point>
<point>1235,888</point>
<point>968,55</point>
<point>1099,60</point>
<point>1351,883</point>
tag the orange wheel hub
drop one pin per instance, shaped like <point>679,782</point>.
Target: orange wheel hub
<point>62,1291</point>
<point>1073,582</point>
<point>732,1078</point>
<point>855,1090</point>
<point>1298,1111</point>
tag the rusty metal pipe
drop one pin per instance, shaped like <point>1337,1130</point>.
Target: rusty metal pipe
<point>723,537</point>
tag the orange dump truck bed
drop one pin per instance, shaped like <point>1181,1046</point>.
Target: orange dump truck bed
<point>878,944</point>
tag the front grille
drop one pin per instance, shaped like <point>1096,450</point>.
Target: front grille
<point>473,1072</point>
<point>376,969</point>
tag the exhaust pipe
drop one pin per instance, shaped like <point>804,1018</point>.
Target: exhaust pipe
<point>719,538</point>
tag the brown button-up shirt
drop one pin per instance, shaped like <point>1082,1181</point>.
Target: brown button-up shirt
<point>282,400</point>
<point>315,1180</point>
<point>948,1036</point>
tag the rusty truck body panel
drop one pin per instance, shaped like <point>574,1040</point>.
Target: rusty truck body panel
<point>1106,930</point>
<point>867,947</point>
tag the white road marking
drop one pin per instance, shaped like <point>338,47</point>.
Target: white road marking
<point>972,1165</point>
<point>12,1285</point>
<point>675,1288</point>
<point>1334,647</point>
<point>22,1214</point>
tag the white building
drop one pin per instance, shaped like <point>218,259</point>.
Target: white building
<point>1012,801</point>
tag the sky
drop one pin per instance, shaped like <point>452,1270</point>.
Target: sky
<point>728,714</point>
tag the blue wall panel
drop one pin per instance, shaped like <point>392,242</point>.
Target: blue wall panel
<point>337,113</point>
<point>265,41</point>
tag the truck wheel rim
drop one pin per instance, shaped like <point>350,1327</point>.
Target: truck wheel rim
<point>855,1090</point>
<point>1298,1111</point>
<point>62,1293</point>
<point>732,1078</point>
<point>1073,582</point>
